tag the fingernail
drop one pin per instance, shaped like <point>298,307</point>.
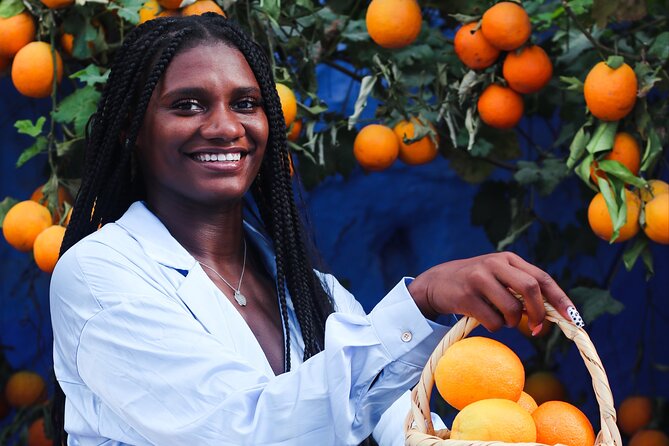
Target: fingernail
<point>537,329</point>
<point>575,317</point>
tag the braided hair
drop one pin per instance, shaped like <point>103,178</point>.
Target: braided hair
<point>111,183</point>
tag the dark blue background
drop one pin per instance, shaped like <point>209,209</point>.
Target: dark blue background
<point>372,229</point>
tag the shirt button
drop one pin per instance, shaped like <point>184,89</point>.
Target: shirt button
<point>406,336</point>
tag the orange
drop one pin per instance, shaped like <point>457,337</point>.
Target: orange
<point>527,402</point>
<point>169,13</point>
<point>473,49</point>
<point>376,147</point>
<point>654,187</point>
<point>37,435</point>
<point>32,70</point>
<point>23,222</point>
<point>494,419</point>
<point>202,6</point>
<point>288,103</point>
<point>478,368</point>
<point>56,4</point>
<point>601,223</point>
<point>393,23</point>
<point>25,388</point>
<point>295,130</point>
<point>544,386</point>
<point>634,413</point>
<point>506,25</point>
<point>47,247</point>
<point>657,219</point>
<point>63,197</point>
<point>418,152</point>
<point>524,328</point>
<point>561,422</point>
<point>170,4</point>
<point>649,437</point>
<point>148,11</point>
<point>610,94</point>
<point>15,33</point>
<point>625,150</point>
<point>67,43</point>
<point>527,70</point>
<point>500,107</point>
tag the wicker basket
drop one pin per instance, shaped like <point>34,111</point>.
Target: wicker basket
<point>418,425</point>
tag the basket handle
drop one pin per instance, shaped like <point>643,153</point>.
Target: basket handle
<point>418,424</point>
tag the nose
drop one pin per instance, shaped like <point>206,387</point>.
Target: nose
<point>222,123</point>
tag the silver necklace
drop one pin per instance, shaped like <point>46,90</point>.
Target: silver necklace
<point>239,297</point>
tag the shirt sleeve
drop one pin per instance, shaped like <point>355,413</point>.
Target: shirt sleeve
<point>172,382</point>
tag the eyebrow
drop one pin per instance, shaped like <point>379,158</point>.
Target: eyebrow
<point>199,91</point>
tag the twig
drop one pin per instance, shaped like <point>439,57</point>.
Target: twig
<point>344,70</point>
<point>591,38</point>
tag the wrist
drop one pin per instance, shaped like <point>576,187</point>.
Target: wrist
<point>419,293</point>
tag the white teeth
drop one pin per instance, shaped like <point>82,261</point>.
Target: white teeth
<point>218,157</point>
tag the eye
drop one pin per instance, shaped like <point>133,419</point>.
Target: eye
<point>247,104</point>
<point>187,105</point>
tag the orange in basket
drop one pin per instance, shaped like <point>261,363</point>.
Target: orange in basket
<point>494,419</point>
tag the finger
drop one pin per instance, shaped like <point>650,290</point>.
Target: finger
<point>486,314</point>
<point>499,297</point>
<point>551,291</point>
<point>528,287</point>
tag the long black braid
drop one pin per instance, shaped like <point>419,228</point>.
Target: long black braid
<point>110,183</point>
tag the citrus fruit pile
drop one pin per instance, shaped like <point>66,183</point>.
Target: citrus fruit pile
<point>30,226</point>
<point>526,68</point>
<point>24,389</point>
<point>484,380</point>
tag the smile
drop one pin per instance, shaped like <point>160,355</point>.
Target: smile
<point>217,157</point>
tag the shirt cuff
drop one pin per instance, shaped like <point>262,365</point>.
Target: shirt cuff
<point>402,329</point>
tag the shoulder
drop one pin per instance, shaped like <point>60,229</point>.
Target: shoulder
<point>344,301</point>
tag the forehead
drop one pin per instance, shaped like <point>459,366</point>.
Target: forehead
<point>209,64</point>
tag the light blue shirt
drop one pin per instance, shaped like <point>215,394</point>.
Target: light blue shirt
<point>149,352</point>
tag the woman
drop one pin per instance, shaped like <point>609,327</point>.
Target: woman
<point>194,315</point>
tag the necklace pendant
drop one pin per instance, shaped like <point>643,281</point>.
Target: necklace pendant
<point>240,298</point>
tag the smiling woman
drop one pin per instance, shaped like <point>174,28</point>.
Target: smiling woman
<point>194,314</point>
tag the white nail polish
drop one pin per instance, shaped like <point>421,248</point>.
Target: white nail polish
<point>575,317</point>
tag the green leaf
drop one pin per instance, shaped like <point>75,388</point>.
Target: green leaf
<point>633,252</point>
<point>577,147</point>
<point>647,258</point>
<point>128,10</point>
<point>583,171</point>
<point>619,170</point>
<point>594,302</point>
<point>660,47</point>
<point>271,7</point>
<point>26,127</point>
<point>647,77</point>
<point>545,178</point>
<point>6,205</point>
<point>355,31</point>
<point>616,212</point>
<point>602,138</point>
<point>40,146</point>
<point>9,8</point>
<point>573,83</point>
<point>652,152</point>
<point>77,108</point>
<point>465,18</point>
<point>366,87</point>
<point>91,75</point>
<point>615,62</point>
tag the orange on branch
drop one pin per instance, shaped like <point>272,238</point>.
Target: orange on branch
<point>544,386</point>
<point>32,70</point>
<point>393,23</point>
<point>610,94</point>
<point>288,103</point>
<point>202,6</point>
<point>57,4</point>
<point>654,188</point>
<point>47,247</point>
<point>479,368</point>
<point>657,219</point>
<point>527,70</point>
<point>376,147</point>
<point>294,130</point>
<point>634,413</point>
<point>170,4</point>
<point>564,423</point>
<point>506,25</point>
<point>500,107</point>
<point>25,388</point>
<point>63,197</point>
<point>473,49</point>
<point>649,437</point>
<point>15,33</point>
<point>23,223</point>
<point>625,150</point>
<point>601,223</point>
<point>149,10</point>
<point>418,152</point>
<point>37,434</point>
<point>494,419</point>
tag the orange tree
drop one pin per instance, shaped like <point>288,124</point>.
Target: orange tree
<point>591,74</point>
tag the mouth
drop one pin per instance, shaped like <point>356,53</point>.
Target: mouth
<point>212,157</point>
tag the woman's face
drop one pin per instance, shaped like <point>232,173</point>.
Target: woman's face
<point>205,130</point>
